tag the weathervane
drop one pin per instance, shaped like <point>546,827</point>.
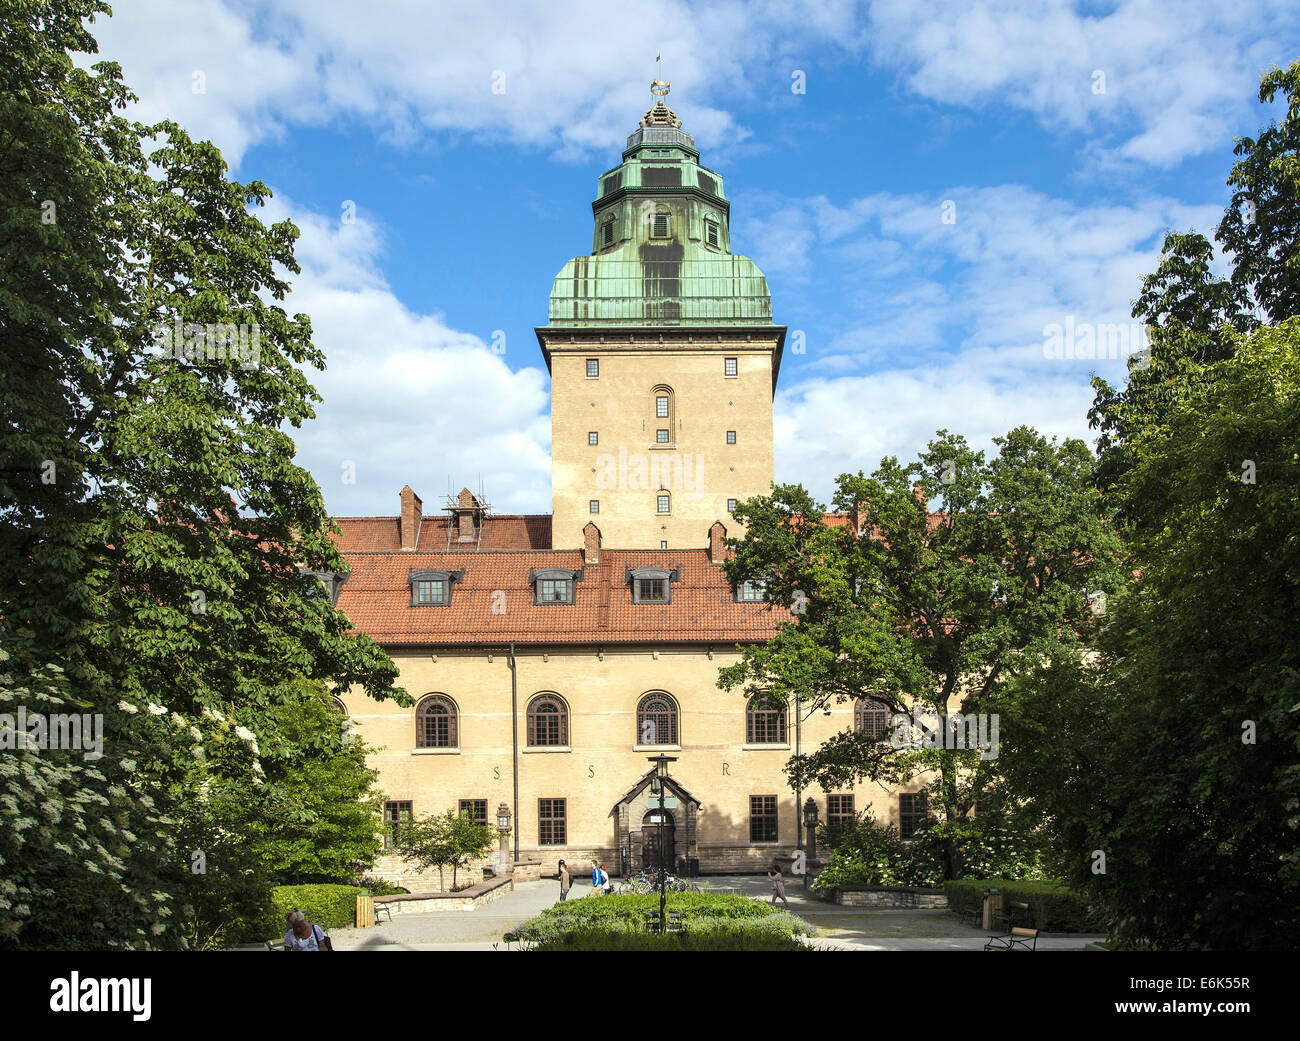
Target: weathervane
<point>659,87</point>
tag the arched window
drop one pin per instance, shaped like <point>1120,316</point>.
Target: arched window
<point>336,703</point>
<point>764,722</point>
<point>665,415</point>
<point>548,721</point>
<point>870,718</point>
<point>435,722</point>
<point>656,719</point>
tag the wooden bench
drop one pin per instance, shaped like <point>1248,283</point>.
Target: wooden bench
<point>1013,936</point>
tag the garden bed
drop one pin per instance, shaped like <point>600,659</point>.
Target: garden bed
<point>711,921</point>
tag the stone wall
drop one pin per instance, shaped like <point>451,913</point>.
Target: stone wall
<point>890,897</point>
<point>465,900</point>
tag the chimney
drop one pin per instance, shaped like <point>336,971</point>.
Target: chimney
<point>717,542</point>
<point>918,493</point>
<point>591,544</point>
<point>409,523</point>
<point>466,506</point>
<point>859,516</point>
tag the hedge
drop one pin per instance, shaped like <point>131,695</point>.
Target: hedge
<point>333,906</point>
<point>1052,907</point>
<point>734,938</point>
<point>730,919</point>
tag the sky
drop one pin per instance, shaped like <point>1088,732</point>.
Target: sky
<point>930,189</point>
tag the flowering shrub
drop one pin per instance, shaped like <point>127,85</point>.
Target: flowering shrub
<point>868,853</point>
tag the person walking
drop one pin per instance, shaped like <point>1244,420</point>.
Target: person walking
<point>598,879</point>
<point>778,886</point>
<point>565,882</point>
<point>606,883</point>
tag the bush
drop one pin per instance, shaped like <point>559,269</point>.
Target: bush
<point>334,907</point>
<point>1052,907</point>
<point>736,938</point>
<point>868,853</point>
<point>378,887</point>
<point>729,919</point>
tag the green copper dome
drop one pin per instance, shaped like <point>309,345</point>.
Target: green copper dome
<point>661,251</point>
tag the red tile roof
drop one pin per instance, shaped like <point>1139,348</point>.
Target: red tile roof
<point>377,594</point>
<point>492,603</point>
<point>504,532</point>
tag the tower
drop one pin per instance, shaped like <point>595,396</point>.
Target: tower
<point>662,353</point>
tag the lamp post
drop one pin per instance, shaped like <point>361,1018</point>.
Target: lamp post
<point>799,717</point>
<point>810,826</point>
<point>503,829</point>
<point>660,787</point>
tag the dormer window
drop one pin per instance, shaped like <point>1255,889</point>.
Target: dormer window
<point>652,585</point>
<point>431,588</point>
<point>325,583</point>
<point>554,585</point>
<point>431,591</point>
<point>751,592</point>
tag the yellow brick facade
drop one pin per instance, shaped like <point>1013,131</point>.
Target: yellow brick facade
<point>628,469</point>
<point>603,759</point>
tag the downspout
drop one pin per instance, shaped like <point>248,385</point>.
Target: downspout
<point>514,742</point>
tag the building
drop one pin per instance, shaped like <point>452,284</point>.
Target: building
<point>550,656</point>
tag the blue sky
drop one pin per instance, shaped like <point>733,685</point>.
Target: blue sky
<point>1064,138</point>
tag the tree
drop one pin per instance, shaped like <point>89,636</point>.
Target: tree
<point>154,526</point>
<point>1169,763</point>
<point>1191,312</point>
<point>444,840</point>
<point>919,611</point>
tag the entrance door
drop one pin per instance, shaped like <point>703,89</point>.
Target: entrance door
<point>650,837</point>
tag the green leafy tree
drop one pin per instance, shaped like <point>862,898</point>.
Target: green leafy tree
<point>920,611</point>
<point>154,525</point>
<point>1192,313</point>
<point>1169,763</point>
<point>444,840</point>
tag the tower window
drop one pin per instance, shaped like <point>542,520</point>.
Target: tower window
<point>593,368</point>
<point>661,437</point>
<point>731,437</point>
<point>661,406</point>
<point>665,504</point>
<point>659,226</point>
<point>607,232</point>
<point>730,366</point>
<point>593,438</point>
<point>711,233</point>
<point>593,505</point>
<point>731,505</point>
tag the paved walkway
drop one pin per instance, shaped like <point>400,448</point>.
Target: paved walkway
<point>840,928</point>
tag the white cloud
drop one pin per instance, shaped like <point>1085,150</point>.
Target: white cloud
<point>407,399</point>
<point>1178,74</point>
<point>949,332</point>
<point>566,74</point>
